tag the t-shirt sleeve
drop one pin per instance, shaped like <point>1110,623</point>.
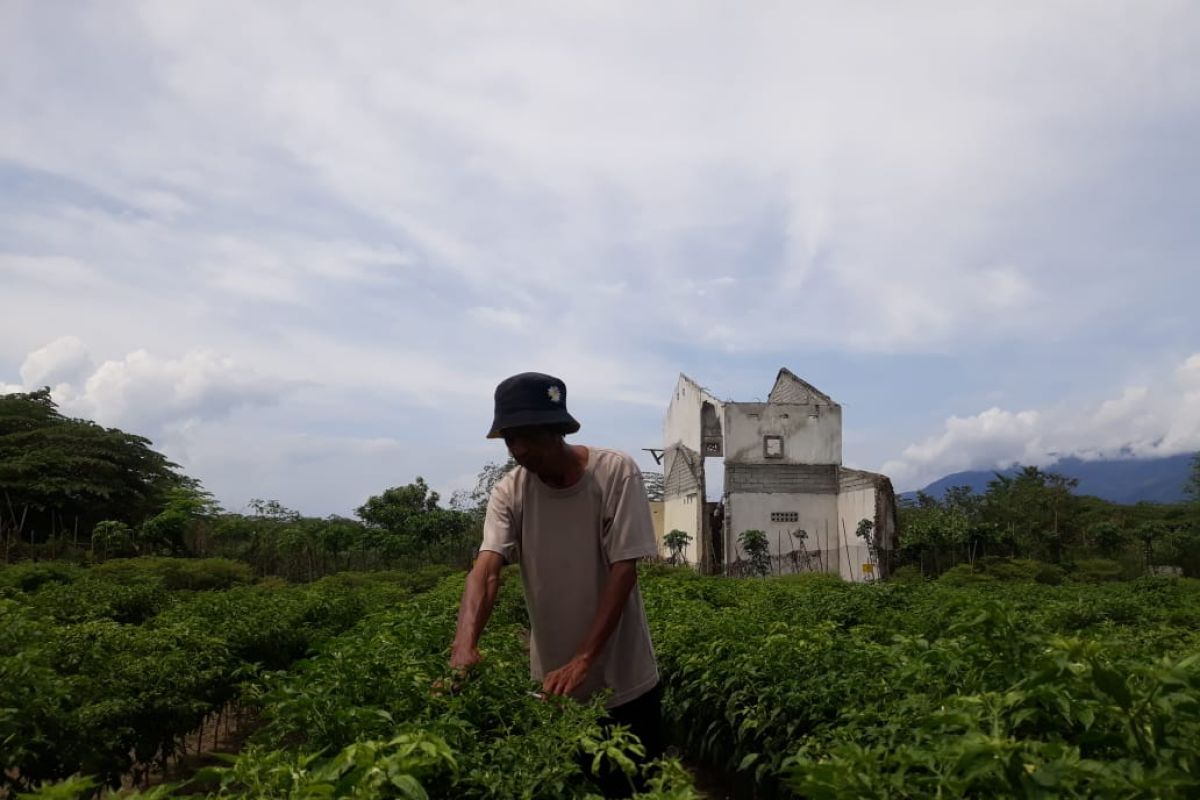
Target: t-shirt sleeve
<point>630,533</point>
<point>501,532</point>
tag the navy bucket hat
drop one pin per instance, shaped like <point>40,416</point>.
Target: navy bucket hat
<point>531,398</point>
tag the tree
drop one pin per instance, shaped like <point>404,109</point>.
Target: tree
<point>864,531</point>
<point>60,475</point>
<point>1149,532</point>
<point>677,542</point>
<point>406,521</point>
<point>1108,537</point>
<point>392,509</point>
<point>112,538</point>
<point>476,500</point>
<point>1036,510</point>
<point>758,551</point>
<point>1192,487</point>
<point>171,528</point>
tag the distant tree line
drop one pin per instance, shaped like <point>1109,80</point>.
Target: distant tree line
<point>70,488</point>
<point>1036,514</point>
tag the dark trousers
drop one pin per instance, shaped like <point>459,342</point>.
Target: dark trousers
<point>643,716</point>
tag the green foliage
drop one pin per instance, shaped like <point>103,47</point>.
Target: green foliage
<point>1108,537</point>
<point>1097,570</point>
<point>1192,487</point>
<point>475,501</point>
<point>405,521</point>
<point>31,576</point>
<point>178,573</point>
<point>997,569</point>
<point>109,671</point>
<point>804,685</point>
<point>909,573</point>
<point>388,677</point>
<point>393,508</point>
<point>966,575</point>
<point>391,768</point>
<point>757,547</point>
<point>1003,689</point>
<point>58,473</point>
<point>112,538</point>
<point>1036,515</point>
<point>677,542</point>
<point>169,531</point>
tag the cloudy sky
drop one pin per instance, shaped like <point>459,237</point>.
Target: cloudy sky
<point>298,244</point>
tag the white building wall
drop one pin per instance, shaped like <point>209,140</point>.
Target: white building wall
<point>854,506</point>
<point>682,424</point>
<point>811,434</point>
<point>684,513</point>
<point>817,516</point>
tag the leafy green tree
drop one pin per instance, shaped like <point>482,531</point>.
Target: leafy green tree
<point>864,531</point>
<point>758,551</point>
<point>1034,510</point>
<point>112,538</point>
<point>169,531</point>
<point>273,510</point>
<point>677,542</point>
<point>406,520</point>
<point>392,509</point>
<point>1192,487</point>
<point>1150,532</point>
<point>476,500</point>
<point>1108,537</point>
<point>60,475</point>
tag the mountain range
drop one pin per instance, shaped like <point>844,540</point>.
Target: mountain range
<point>1125,481</point>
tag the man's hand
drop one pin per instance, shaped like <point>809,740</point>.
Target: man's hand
<point>463,657</point>
<point>567,679</point>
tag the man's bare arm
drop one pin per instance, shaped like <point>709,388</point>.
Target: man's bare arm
<point>479,597</point>
<point>622,577</point>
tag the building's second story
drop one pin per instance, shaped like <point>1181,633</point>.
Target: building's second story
<point>798,424</point>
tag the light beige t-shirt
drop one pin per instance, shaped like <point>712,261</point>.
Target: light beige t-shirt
<point>565,540</point>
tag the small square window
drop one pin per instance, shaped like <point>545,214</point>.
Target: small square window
<point>785,516</point>
<point>772,447</point>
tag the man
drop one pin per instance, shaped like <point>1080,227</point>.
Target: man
<point>577,520</point>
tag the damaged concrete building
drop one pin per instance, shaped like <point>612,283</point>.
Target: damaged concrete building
<point>783,475</point>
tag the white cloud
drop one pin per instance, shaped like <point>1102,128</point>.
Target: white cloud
<point>149,391</point>
<point>146,393</point>
<point>65,360</point>
<point>500,317</point>
<point>377,201</point>
<point>895,154</point>
<point>52,270</point>
<point>1144,421</point>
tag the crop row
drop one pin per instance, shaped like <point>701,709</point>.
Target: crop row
<point>805,686</point>
<point>102,676</point>
<point>377,713</point>
<point>826,690</point>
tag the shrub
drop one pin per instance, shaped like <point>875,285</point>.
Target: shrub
<point>30,577</point>
<point>1049,574</point>
<point>965,575</point>
<point>909,573</point>
<point>1097,570</point>
<point>179,573</point>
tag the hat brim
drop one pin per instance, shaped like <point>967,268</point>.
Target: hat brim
<point>522,419</point>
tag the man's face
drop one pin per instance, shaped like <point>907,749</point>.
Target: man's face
<point>530,447</point>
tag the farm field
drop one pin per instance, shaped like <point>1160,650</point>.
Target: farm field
<point>802,686</point>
